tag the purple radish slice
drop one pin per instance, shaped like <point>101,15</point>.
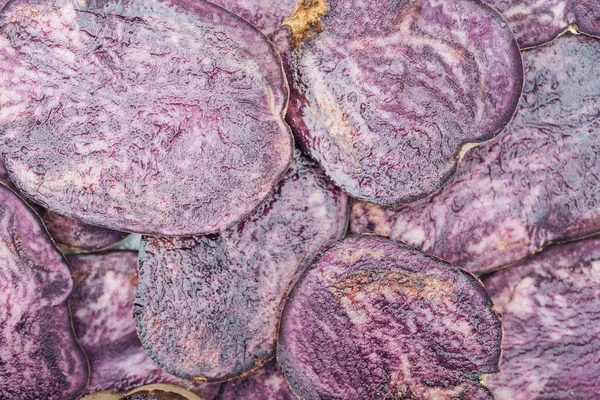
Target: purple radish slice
<point>535,22</point>
<point>266,15</point>
<point>538,183</point>
<point>550,306</point>
<point>266,383</point>
<point>376,319</point>
<point>207,307</point>
<point>173,125</point>
<point>101,304</point>
<point>387,102</point>
<point>39,355</point>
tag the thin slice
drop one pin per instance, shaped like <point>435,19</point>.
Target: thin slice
<point>147,392</point>
<point>550,306</point>
<point>173,125</point>
<point>538,21</point>
<point>207,307</point>
<point>101,304</point>
<point>266,383</point>
<point>266,15</point>
<point>538,183</point>
<point>39,356</point>
<point>377,319</point>
<point>385,94</point>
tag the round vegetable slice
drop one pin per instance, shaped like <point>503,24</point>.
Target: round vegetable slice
<point>207,307</point>
<point>102,318</point>
<point>536,184</point>
<point>538,21</point>
<point>376,319</point>
<point>550,306</point>
<point>173,125</point>
<point>386,103</point>
<point>266,383</point>
<point>39,356</point>
<point>266,15</point>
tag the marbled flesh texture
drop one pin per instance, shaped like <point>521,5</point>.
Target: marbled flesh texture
<point>266,15</point>
<point>207,307</point>
<point>538,21</point>
<point>386,102</point>
<point>173,125</point>
<point>376,319</point>
<point>266,383</point>
<point>39,356</point>
<point>550,306</point>
<point>102,318</point>
<point>537,183</point>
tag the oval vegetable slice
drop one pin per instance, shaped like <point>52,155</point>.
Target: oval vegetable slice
<point>386,102</point>
<point>536,184</point>
<point>266,383</point>
<point>538,21</point>
<point>550,306</point>
<point>173,125</point>
<point>377,319</point>
<point>266,15</point>
<point>101,304</point>
<point>207,307</point>
<point>39,356</point>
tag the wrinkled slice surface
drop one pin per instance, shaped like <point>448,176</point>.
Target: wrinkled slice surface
<point>266,15</point>
<point>550,306</point>
<point>266,383</point>
<point>172,126</point>
<point>39,356</point>
<point>537,183</point>
<point>538,21</point>
<point>386,103</point>
<point>207,307</point>
<point>102,304</point>
<point>377,319</point>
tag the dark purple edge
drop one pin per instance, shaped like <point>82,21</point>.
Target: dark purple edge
<point>67,302</point>
<point>286,94</point>
<point>489,303</point>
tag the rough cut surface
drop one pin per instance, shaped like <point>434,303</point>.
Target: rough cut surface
<point>266,15</point>
<point>102,318</point>
<point>207,307</point>
<point>385,103</point>
<point>377,319</point>
<point>538,182</point>
<point>173,125</point>
<point>266,383</point>
<point>538,21</point>
<point>550,306</point>
<point>39,356</point>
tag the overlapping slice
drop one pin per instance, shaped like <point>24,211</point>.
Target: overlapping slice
<point>550,306</point>
<point>173,125</point>
<point>39,356</point>
<point>207,307</point>
<point>377,319</point>
<point>266,15</point>
<point>386,94</point>
<point>266,383</point>
<point>539,182</point>
<point>538,21</point>
<point>102,318</point>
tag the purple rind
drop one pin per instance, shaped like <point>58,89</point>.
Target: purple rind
<point>266,383</point>
<point>550,306</point>
<point>173,126</point>
<point>536,184</point>
<point>387,107</point>
<point>101,305</point>
<point>207,307</point>
<point>266,15</point>
<point>39,355</point>
<point>536,22</point>
<point>376,319</point>
<point>148,392</point>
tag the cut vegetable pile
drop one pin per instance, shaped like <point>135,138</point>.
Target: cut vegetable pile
<point>314,188</point>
